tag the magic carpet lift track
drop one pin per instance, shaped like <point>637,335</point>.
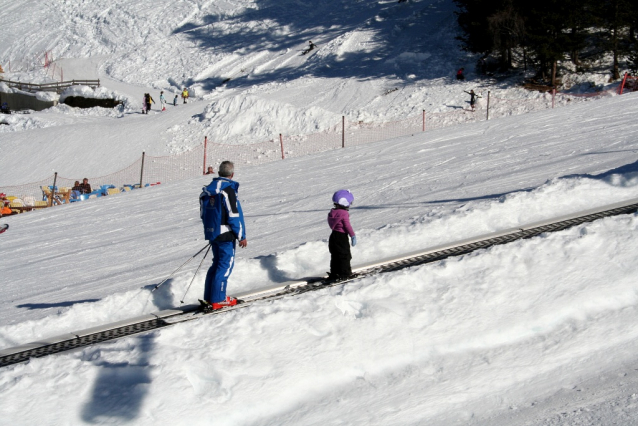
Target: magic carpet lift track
<point>165,318</point>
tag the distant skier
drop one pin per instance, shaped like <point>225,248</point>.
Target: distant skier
<point>185,94</point>
<point>311,46</point>
<point>149,100</point>
<point>162,101</point>
<point>223,221</point>
<point>460,75</point>
<point>473,97</point>
<point>338,244</point>
<point>175,100</point>
<point>144,106</point>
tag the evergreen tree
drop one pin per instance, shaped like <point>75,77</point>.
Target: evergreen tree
<point>546,33</point>
<point>617,17</point>
<point>472,18</point>
<point>579,20</point>
<point>507,29</point>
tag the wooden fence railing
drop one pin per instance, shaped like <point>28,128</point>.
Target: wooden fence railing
<point>49,87</point>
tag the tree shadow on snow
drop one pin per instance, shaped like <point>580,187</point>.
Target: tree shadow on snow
<point>286,26</point>
<point>120,387</point>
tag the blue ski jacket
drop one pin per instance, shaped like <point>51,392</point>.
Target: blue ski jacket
<point>221,211</point>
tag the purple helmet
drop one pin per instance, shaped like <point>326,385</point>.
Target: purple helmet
<point>343,197</point>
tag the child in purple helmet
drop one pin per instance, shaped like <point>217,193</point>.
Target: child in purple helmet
<point>338,244</point>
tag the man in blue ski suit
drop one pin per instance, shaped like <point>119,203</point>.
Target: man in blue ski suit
<point>223,220</point>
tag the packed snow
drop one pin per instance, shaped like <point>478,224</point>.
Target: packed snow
<point>535,332</point>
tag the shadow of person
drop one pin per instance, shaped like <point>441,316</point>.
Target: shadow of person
<point>120,387</point>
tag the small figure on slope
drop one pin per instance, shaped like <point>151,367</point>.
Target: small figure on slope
<point>338,244</point>
<point>175,100</point>
<point>224,224</point>
<point>144,104</point>
<point>460,75</point>
<point>311,46</point>
<point>149,100</point>
<point>473,97</point>
<point>185,94</point>
<point>162,101</point>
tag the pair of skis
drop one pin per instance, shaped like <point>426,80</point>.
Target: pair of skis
<point>311,284</point>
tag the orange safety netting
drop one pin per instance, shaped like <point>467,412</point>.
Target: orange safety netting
<point>152,170</point>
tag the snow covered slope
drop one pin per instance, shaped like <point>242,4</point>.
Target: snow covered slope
<point>473,336</point>
<point>538,332</point>
<point>376,61</point>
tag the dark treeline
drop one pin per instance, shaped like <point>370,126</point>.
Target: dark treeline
<point>542,32</point>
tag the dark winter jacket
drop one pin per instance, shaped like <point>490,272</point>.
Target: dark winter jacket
<point>221,211</point>
<point>85,188</point>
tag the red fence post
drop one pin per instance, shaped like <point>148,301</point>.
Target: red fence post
<point>424,120</point>
<point>487,117</point>
<point>553,96</point>
<point>343,131</point>
<point>205,149</point>
<point>622,85</point>
<point>281,142</point>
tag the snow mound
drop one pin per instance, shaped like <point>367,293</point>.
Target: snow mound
<point>89,92</point>
<point>241,117</point>
<point>4,88</point>
<point>20,122</point>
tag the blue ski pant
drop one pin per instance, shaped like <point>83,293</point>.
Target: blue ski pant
<point>219,271</point>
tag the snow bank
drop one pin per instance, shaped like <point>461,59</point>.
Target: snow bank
<point>92,93</point>
<point>19,122</point>
<point>4,88</point>
<point>241,119</point>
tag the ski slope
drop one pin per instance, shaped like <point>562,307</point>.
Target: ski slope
<point>537,332</point>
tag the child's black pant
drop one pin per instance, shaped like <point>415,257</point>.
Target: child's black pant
<point>339,246</point>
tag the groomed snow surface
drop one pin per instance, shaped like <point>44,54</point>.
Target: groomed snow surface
<point>536,332</point>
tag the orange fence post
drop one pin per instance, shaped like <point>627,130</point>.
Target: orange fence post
<point>553,96</point>
<point>487,117</point>
<point>281,142</point>
<point>424,120</point>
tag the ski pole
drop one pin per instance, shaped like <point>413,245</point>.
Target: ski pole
<point>183,264</point>
<point>191,283</point>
